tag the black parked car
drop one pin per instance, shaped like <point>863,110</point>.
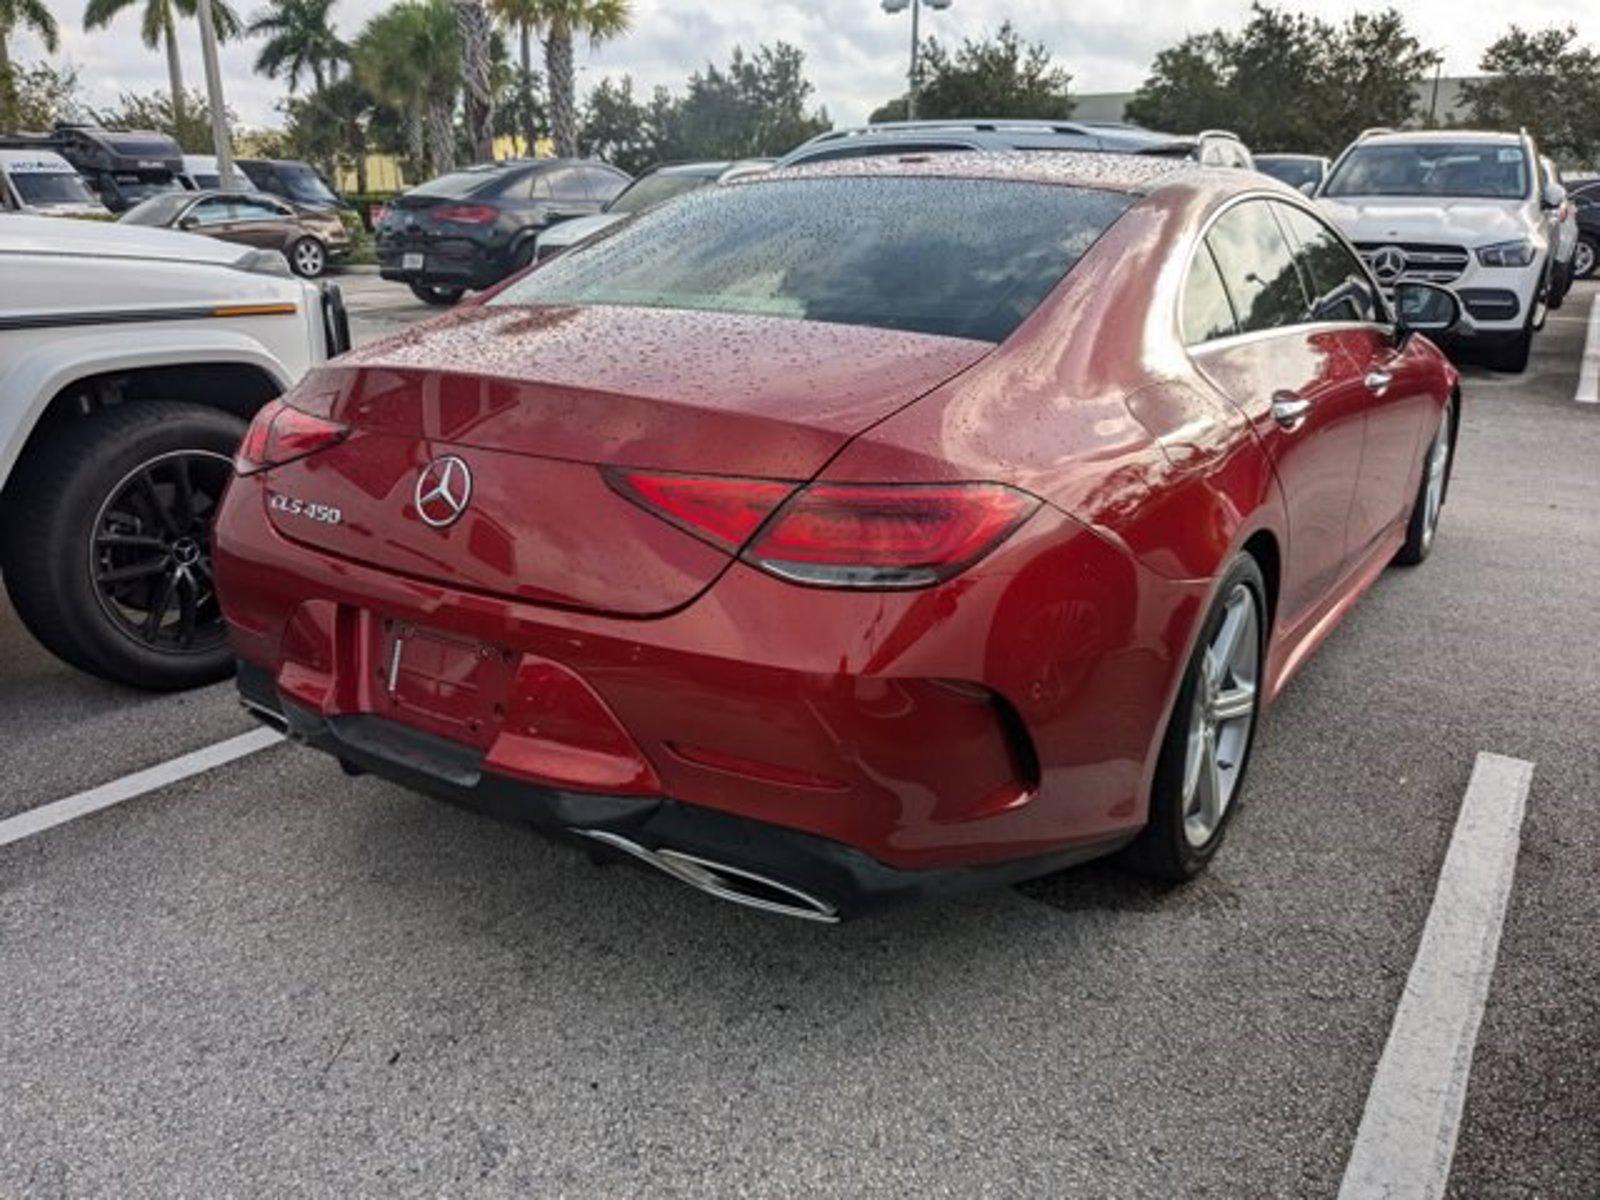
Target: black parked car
<point>1585,196</point>
<point>470,229</point>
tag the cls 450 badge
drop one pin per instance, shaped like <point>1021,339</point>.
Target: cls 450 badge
<point>311,511</point>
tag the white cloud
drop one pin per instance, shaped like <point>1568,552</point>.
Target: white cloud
<point>855,53</point>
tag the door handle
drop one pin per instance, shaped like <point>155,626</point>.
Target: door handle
<point>1378,381</point>
<point>1289,410</point>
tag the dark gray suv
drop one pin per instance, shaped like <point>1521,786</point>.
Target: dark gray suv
<point>471,228</point>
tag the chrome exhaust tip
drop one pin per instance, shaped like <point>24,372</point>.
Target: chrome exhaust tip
<point>733,884</point>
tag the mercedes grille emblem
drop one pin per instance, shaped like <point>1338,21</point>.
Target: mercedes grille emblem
<point>1388,263</point>
<point>443,489</point>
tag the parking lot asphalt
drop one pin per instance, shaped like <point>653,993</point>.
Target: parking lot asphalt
<point>272,979</point>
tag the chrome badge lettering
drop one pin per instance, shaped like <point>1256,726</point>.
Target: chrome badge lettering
<point>295,507</point>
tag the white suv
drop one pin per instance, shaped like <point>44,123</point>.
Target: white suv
<point>1465,209</point>
<point>131,360</point>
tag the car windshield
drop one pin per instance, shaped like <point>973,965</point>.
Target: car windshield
<point>458,183</point>
<point>1469,170</point>
<point>653,189</point>
<point>158,210</point>
<point>963,258</point>
<point>1296,172</point>
<point>54,187</point>
<point>305,185</point>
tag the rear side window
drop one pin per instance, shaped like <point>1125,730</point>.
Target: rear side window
<point>1257,268</point>
<point>566,183</point>
<point>601,183</point>
<point>1207,314</point>
<point>1340,290</point>
<point>959,257</point>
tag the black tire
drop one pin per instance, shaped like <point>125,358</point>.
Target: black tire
<point>60,506</point>
<point>1512,355</point>
<point>439,297</point>
<point>1422,528</point>
<point>1163,850</point>
<point>1592,266</point>
<point>308,258</point>
<point>522,256</point>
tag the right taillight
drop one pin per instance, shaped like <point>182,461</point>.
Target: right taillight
<point>846,535</point>
<point>282,433</point>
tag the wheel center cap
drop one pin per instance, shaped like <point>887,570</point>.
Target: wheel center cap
<point>186,552</point>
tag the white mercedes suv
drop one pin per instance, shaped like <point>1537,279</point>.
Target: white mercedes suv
<point>1465,209</point>
<point>131,360</point>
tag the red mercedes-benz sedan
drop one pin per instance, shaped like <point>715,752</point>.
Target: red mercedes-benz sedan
<point>851,531</point>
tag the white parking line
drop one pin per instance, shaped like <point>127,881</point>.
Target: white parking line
<point>1589,373</point>
<point>1408,1130</point>
<point>59,812</point>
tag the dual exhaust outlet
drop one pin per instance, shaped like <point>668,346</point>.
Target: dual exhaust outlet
<point>733,884</point>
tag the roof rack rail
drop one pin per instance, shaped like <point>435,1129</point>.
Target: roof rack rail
<point>1227,133</point>
<point>1373,132</point>
<point>977,124</point>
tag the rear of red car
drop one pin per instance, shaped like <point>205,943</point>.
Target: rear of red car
<point>590,556</point>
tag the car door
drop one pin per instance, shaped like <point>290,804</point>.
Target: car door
<point>1245,322</point>
<point>261,222</point>
<point>1399,382</point>
<point>212,216</point>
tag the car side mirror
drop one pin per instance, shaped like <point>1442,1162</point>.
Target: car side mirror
<point>1424,308</point>
<point>1554,196</point>
<point>189,223</point>
<point>1308,189</point>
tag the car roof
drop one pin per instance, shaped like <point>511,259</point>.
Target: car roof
<point>1137,174</point>
<point>1441,135</point>
<point>49,157</point>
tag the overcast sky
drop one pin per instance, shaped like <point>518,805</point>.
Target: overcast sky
<point>855,53</point>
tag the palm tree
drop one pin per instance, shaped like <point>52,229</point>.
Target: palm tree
<point>29,14</point>
<point>159,23</point>
<point>300,41</point>
<point>477,72</point>
<point>409,56</point>
<point>522,16</point>
<point>561,21</point>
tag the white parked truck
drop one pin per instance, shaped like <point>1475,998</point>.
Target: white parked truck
<point>131,360</point>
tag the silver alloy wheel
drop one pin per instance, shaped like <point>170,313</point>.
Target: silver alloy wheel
<point>1223,713</point>
<point>1438,470</point>
<point>1583,260</point>
<point>309,260</point>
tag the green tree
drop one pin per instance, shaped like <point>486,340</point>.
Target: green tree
<point>329,127</point>
<point>561,21</point>
<point>616,127</point>
<point>755,107</point>
<point>300,41</point>
<point>474,31</point>
<point>22,14</point>
<point>189,124</point>
<point>40,95</point>
<point>523,17</point>
<point>1543,80</point>
<point>409,56</point>
<point>158,24</point>
<point>999,76</point>
<point>1286,81</point>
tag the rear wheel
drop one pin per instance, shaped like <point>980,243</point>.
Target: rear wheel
<point>308,257</point>
<point>107,543</point>
<point>1425,511</point>
<point>1201,768</point>
<point>439,297</point>
<point>1586,258</point>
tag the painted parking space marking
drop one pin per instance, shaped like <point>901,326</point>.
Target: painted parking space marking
<point>1589,372</point>
<point>1407,1137</point>
<point>130,787</point>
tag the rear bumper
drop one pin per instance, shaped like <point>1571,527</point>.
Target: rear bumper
<point>447,262</point>
<point>842,880</point>
<point>1005,720</point>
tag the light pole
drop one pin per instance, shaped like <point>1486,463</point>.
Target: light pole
<point>895,6</point>
<point>219,110</point>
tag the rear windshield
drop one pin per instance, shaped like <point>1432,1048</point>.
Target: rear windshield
<point>650,190</point>
<point>962,258</point>
<point>44,189</point>
<point>459,183</point>
<point>1469,170</point>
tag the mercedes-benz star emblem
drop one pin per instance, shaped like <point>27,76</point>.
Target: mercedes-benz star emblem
<point>1388,263</point>
<point>443,489</point>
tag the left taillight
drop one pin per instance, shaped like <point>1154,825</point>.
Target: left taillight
<point>466,214</point>
<point>844,535</point>
<point>282,433</point>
